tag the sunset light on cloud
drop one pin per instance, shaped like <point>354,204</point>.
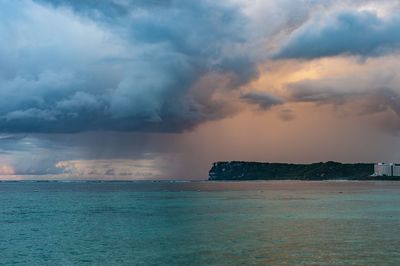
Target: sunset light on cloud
<point>110,169</point>
<point>6,170</point>
<point>122,82</point>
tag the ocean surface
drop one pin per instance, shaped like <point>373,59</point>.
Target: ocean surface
<point>200,223</point>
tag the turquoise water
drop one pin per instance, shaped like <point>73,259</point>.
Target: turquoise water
<point>200,223</point>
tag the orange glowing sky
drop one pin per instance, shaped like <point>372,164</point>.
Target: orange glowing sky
<point>6,170</point>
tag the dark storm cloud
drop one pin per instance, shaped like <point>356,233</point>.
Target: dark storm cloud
<point>348,32</point>
<point>107,9</point>
<point>262,99</point>
<point>71,66</point>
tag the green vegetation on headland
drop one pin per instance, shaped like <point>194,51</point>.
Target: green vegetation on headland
<point>237,170</point>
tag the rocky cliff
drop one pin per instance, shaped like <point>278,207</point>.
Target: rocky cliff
<point>237,170</point>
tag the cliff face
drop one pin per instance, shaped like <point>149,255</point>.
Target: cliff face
<point>237,170</point>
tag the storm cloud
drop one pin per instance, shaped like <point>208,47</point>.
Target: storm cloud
<point>263,99</point>
<point>118,65</point>
<point>349,32</point>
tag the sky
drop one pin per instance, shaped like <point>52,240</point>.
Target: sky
<point>160,89</point>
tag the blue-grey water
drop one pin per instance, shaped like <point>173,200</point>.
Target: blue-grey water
<point>200,223</point>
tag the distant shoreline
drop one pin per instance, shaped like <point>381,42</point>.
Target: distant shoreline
<point>196,181</point>
<point>322,171</point>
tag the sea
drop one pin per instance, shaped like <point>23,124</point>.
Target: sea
<point>200,223</point>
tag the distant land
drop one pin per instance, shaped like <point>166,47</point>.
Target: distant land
<point>238,170</point>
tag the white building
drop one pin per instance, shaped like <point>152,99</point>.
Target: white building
<point>387,169</point>
<point>383,169</point>
<point>396,169</point>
